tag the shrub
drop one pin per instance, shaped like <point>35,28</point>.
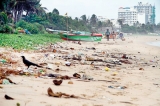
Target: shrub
<point>34,28</point>
<point>40,28</point>
<point>6,29</point>
<point>3,17</point>
<point>19,28</point>
<point>16,32</point>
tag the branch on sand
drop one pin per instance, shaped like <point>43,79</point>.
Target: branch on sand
<point>60,94</point>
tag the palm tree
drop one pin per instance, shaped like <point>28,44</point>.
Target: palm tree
<point>120,21</point>
<point>3,18</point>
<point>109,23</point>
<point>93,20</point>
<point>5,5</point>
<point>17,8</point>
<point>55,11</point>
<point>84,19</point>
<point>76,18</point>
<point>100,24</point>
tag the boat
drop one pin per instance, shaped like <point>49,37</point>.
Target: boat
<point>81,37</point>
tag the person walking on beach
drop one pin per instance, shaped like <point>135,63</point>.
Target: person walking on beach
<point>121,36</point>
<point>107,34</point>
<point>113,35</point>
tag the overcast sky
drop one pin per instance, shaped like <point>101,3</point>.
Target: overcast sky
<point>105,8</point>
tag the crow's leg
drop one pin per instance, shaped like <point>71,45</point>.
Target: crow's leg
<point>28,68</point>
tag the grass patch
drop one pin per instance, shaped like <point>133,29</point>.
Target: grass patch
<point>27,42</point>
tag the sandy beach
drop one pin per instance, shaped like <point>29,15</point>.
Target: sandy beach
<point>133,80</point>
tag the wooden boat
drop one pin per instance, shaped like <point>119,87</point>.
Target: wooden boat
<point>79,37</point>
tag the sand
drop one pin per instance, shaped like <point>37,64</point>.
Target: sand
<point>142,86</point>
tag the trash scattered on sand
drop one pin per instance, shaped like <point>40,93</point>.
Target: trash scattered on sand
<point>117,87</point>
<point>76,75</point>
<point>18,104</point>
<point>107,69</point>
<point>60,59</point>
<point>57,82</point>
<point>86,77</point>
<point>70,82</point>
<point>141,68</point>
<point>67,63</point>
<point>114,74</point>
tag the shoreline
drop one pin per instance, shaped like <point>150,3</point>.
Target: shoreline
<point>157,43</point>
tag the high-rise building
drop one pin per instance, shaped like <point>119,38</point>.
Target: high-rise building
<point>128,15</point>
<point>143,13</point>
<point>148,10</point>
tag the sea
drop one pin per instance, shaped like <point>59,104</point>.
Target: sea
<point>157,43</point>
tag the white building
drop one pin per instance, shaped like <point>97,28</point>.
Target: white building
<point>128,15</point>
<point>148,9</point>
<point>143,13</point>
<point>142,18</point>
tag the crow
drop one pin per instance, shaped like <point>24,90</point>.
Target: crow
<point>8,97</point>
<point>28,63</point>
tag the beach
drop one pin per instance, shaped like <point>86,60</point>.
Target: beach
<point>130,80</point>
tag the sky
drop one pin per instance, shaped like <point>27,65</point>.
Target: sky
<point>105,8</point>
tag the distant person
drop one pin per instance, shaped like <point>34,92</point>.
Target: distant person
<point>107,34</point>
<point>121,36</point>
<point>113,35</point>
<point>27,32</point>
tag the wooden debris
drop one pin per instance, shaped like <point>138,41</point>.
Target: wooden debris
<point>141,68</point>
<point>70,82</point>
<point>57,82</point>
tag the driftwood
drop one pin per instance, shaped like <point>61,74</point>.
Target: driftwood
<point>60,94</point>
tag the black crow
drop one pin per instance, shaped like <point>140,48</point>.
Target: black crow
<point>8,97</point>
<point>28,63</point>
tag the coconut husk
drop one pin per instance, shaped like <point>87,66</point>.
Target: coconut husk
<point>70,82</point>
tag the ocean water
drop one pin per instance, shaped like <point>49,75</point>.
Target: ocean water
<point>154,43</point>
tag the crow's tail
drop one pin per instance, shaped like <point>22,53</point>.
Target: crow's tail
<point>38,65</point>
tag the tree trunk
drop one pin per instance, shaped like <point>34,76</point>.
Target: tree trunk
<point>19,16</point>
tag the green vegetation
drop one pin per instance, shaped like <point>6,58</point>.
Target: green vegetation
<point>138,28</point>
<point>4,27</point>
<point>34,28</point>
<point>27,42</point>
<point>36,19</point>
